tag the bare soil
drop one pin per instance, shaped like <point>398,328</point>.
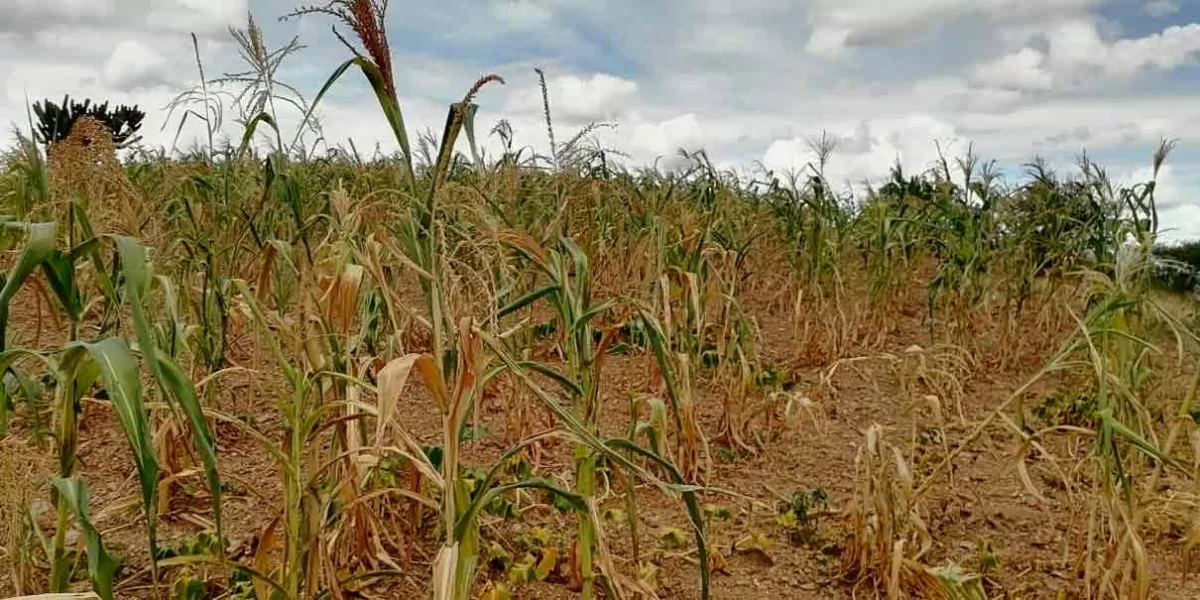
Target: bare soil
<point>1036,542</point>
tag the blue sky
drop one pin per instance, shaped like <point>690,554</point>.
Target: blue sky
<point>748,81</point>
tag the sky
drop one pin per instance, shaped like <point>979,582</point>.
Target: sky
<point>748,81</point>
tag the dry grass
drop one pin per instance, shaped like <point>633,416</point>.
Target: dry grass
<point>420,403</point>
<point>25,472</point>
<point>84,167</point>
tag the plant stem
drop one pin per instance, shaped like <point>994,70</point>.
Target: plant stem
<point>585,482</point>
<point>292,502</point>
<point>60,572</point>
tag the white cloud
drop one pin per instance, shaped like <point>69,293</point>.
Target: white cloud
<point>651,140</point>
<point>841,24</point>
<point>21,11</point>
<point>867,151</point>
<point>599,97</point>
<point>205,17</point>
<point>1079,56</point>
<point>828,41</point>
<point>122,51</point>
<point>521,14</point>
<point>1176,196</point>
<point>1181,223</point>
<point>1172,48</point>
<point>732,39</point>
<point>985,100</point>
<point>1125,122</point>
<point>134,65</point>
<point>1021,70</point>
<point>211,16</point>
<point>42,80</point>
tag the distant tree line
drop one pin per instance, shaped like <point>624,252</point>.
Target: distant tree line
<point>54,121</point>
<point>1178,267</point>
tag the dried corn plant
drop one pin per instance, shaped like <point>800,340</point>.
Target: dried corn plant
<point>84,166</point>
<point>25,470</point>
<point>890,534</point>
<point>354,328</point>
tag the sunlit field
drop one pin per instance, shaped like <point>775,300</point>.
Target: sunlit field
<point>254,370</point>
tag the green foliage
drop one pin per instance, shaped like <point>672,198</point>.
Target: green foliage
<point>38,248</point>
<point>1056,222</point>
<point>122,379</point>
<point>102,568</point>
<point>24,180</point>
<point>716,512</point>
<point>794,514</point>
<point>54,121</point>
<point>204,543</point>
<point>187,588</point>
<point>955,584</point>
<point>769,377</point>
<point>1177,267</point>
<point>241,585</point>
<point>575,264</point>
<point>1067,409</point>
<point>989,557</point>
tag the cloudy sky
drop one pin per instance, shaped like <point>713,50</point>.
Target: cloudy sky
<point>747,80</point>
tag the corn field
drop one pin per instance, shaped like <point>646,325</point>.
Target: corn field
<point>247,371</point>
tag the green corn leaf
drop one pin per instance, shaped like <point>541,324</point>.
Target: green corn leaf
<point>462,524</point>
<point>579,257</point>
<point>75,374</point>
<point>177,331</point>
<point>268,187</point>
<point>41,244</point>
<point>591,312</point>
<point>91,248</point>
<point>122,379</point>
<point>7,359</point>
<point>567,418</point>
<point>483,499</point>
<point>247,137</point>
<point>391,109</point>
<point>689,499</point>
<point>84,248</point>
<point>570,386</point>
<point>24,387</point>
<point>102,568</point>
<point>136,272</point>
<point>38,247</point>
<point>184,393</point>
<point>1113,426</point>
<point>441,168</point>
<point>658,342</point>
<point>170,378</point>
<point>469,129</point>
<point>83,372</point>
<point>60,273</point>
<point>526,300</point>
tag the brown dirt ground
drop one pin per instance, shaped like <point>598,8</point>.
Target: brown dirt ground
<point>1037,542</point>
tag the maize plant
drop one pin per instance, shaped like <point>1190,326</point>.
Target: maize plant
<point>569,293</point>
<point>331,372</point>
<point>112,362</point>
